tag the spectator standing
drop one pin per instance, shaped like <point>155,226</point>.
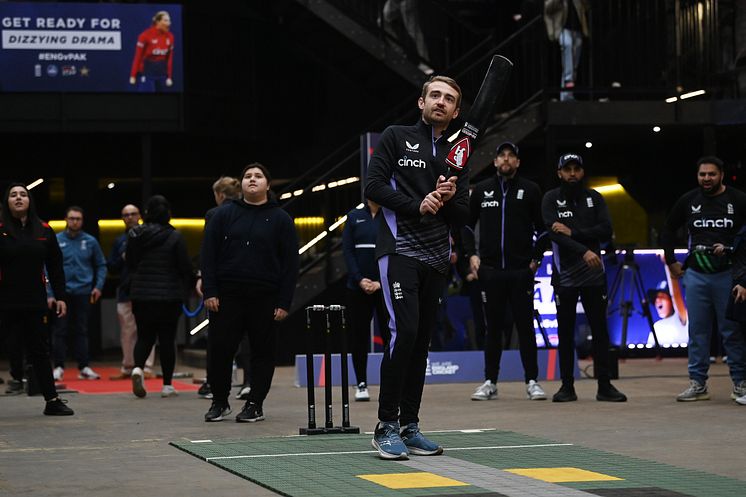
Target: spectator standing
<point>85,274</point>
<point>712,215</point>
<point>567,23</point>
<point>364,295</point>
<point>249,269</point>
<point>127,324</point>
<point>578,222</point>
<point>162,278</point>
<point>511,245</point>
<point>27,246</point>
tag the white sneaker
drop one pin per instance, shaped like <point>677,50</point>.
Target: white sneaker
<point>88,374</point>
<point>741,400</point>
<point>362,394</point>
<point>485,391</point>
<point>138,387</point>
<point>58,373</point>
<point>243,393</point>
<point>739,390</point>
<point>696,391</point>
<point>534,391</point>
<point>168,391</point>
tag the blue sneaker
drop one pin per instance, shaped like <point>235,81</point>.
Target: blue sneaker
<point>387,442</point>
<point>416,442</point>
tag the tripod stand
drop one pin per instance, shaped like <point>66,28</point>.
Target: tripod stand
<point>627,285</point>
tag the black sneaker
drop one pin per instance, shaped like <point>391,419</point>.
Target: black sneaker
<point>608,393</point>
<point>205,392</point>
<point>566,393</point>
<point>57,407</point>
<point>251,413</point>
<point>14,387</point>
<point>217,411</point>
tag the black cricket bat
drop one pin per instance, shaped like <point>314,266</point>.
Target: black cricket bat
<point>493,87</point>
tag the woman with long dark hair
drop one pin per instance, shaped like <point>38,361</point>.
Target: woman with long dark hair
<point>27,245</point>
<point>249,269</point>
<point>161,280</point>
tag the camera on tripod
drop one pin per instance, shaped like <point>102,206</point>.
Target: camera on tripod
<point>627,296</point>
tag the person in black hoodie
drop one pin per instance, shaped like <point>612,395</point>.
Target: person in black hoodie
<point>249,269</point>
<point>27,245</point>
<point>161,278</point>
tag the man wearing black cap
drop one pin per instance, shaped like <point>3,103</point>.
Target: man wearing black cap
<point>508,209</point>
<point>577,220</point>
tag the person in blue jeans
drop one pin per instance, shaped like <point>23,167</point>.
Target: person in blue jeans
<point>712,214</point>
<point>85,273</point>
<point>567,23</point>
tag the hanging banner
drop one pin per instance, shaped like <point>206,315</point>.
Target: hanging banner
<point>90,47</point>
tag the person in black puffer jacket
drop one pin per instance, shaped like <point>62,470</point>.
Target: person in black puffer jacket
<point>161,280</point>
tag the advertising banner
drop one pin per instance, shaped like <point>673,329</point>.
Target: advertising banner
<point>633,283</point>
<point>90,47</point>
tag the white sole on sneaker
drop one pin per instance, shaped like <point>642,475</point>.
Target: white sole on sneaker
<point>386,455</point>
<point>421,452</point>
<point>480,397</point>
<point>138,388</point>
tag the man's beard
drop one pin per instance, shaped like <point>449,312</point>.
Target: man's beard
<point>713,189</point>
<point>571,189</point>
<point>505,173</point>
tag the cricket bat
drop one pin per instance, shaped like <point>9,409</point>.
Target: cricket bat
<point>493,87</point>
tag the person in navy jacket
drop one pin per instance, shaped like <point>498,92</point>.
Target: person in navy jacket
<point>363,287</point>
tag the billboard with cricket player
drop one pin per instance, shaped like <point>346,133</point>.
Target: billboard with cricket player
<point>90,47</point>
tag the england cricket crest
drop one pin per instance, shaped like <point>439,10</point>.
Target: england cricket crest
<point>459,154</point>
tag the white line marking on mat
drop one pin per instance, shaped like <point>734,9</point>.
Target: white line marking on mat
<point>201,441</point>
<point>304,454</point>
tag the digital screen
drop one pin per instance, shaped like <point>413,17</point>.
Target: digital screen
<point>632,285</point>
<point>90,47</point>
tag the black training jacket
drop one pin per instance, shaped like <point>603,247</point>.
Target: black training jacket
<point>708,220</point>
<point>22,261</point>
<point>252,245</point>
<point>404,168</point>
<point>588,217</point>
<point>511,229</point>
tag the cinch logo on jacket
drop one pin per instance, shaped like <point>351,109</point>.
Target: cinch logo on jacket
<point>713,223</point>
<point>405,162</point>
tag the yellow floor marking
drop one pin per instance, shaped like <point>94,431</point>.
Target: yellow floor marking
<point>562,475</point>
<point>412,480</point>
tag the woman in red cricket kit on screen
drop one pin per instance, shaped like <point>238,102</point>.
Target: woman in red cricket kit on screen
<point>152,66</point>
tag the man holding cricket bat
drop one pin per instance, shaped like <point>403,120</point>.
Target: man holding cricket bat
<point>420,200</point>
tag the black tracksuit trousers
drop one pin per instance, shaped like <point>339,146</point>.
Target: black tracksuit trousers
<point>412,291</point>
<point>238,315</point>
<point>360,308</point>
<point>30,330</point>
<point>594,304</point>
<point>514,288</point>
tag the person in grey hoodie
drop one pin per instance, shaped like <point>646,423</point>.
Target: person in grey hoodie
<point>161,279</point>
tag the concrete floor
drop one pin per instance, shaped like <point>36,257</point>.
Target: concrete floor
<point>117,445</point>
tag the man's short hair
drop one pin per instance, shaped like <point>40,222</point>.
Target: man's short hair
<point>76,209</point>
<point>229,187</point>
<point>443,79</point>
<point>711,159</point>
